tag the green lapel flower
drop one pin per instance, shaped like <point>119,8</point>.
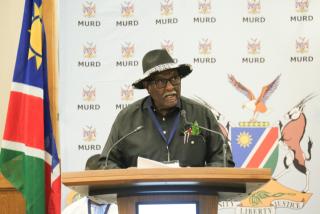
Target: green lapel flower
<point>195,130</point>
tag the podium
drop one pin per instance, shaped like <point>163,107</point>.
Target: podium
<point>12,200</point>
<point>203,185</point>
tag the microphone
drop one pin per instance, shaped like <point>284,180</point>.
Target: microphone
<point>117,142</point>
<point>183,114</point>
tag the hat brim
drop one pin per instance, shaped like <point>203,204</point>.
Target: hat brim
<point>183,70</point>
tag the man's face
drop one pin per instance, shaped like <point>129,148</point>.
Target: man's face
<point>164,93</point>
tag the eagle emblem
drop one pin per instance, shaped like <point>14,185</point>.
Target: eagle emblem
<point>256,105</point>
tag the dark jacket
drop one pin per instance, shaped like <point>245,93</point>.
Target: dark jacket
<point>204,149</point>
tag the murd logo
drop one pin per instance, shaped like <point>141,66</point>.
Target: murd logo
<point>127,93</point>
<point>89,134</point>
<point>204,7</point>
<point>302,6</point>
<point>127,53</point>
<point>168,45</point>
<point>89,93</point>
<point>127,13</point>
<point>127,9</point>
<point>89,50</point>
<point>302,45</point>
<point>88,96</point>
<point>89,14</point>
<point>166,8</point>
<point>89,9</point>
<point>254,6</point>
<point>204,50</point>
<point>254,46</point>
<point>302,49</point>
<point>205,47</point>
<point>127,50</point>
<point>253,50</point>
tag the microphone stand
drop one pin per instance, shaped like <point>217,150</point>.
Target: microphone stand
<point>117,142</point>
<point>224,144</point>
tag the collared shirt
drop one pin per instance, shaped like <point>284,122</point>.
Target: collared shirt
<point>203,149</point>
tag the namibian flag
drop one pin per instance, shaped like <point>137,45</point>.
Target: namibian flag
<point>255,147</point>
<point>28,157</point>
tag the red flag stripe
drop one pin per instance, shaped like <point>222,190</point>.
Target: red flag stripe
<point>25,124</point>
<point>264,148</point>
<point>53,191</point>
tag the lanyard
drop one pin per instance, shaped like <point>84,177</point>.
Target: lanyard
<point>100,207</point>
<point>160,130</point>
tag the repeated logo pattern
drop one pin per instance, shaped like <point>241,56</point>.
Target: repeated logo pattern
<point>204,6</point>
<point>166,8</point>
<point>127,9</point>
<point>168,45</point>
<point>302,45</point>
<point>254,6</point>
<point>254,46</point>
<point>89,9</point>
<point>205,46</point>
<point>302,6</point>
<point>89,93</point>
<point>127,93</point>
<point>110,38</point>
<point>127,50</point>
<point>89,50</point>
<point>89,134</point>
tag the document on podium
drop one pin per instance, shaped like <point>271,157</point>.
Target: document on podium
<point>144,163</point>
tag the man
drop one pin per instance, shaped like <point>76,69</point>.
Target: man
<point>166,136</point>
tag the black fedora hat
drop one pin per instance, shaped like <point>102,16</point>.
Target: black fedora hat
<point>159,60</point>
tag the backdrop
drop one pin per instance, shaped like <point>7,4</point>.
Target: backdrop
<point>245,54</point>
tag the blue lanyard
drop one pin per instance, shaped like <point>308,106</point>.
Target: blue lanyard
<point>100,207</point>
<point>160,130</point>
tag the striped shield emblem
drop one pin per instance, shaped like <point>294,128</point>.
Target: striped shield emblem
<point>255,147</point>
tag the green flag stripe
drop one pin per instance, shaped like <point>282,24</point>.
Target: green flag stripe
<point>27,175</point>
<point>273,160</point>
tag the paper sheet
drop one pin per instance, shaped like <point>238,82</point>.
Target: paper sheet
<point>144,163</point>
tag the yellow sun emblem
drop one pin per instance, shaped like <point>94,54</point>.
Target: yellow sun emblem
<point>35,49</point>
<point>244,139</point>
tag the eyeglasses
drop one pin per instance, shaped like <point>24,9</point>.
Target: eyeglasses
<point>161,83</point>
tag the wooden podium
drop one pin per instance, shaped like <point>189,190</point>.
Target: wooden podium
<point>203,185</point>
<point>11,201</point>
